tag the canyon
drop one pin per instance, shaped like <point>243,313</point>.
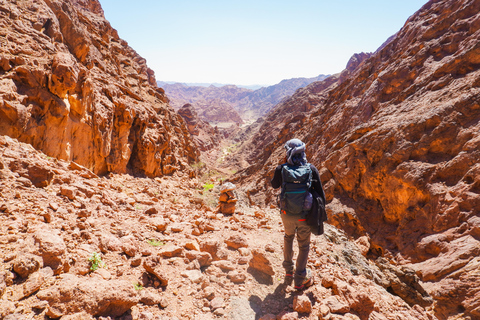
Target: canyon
<point>109,186</point>
<point>246,104</point>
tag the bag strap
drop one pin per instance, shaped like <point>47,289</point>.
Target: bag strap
<point>284,183</point>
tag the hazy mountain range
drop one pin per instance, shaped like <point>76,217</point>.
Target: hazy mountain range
<point>249,104</point>
<point>215,84</point>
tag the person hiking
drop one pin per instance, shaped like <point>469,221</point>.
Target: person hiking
<point>296,176</point>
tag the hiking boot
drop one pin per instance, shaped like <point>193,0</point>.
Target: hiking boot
<point>307,281</point>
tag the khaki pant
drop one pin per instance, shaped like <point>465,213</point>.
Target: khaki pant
<point>292,225</point>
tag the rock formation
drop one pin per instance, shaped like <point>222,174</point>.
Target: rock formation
<point>203,134</point>
<point>227,201</point>
<point>212,104</point>
<point>218,111</point>
<point>260,101</point>
<point>396,139</point>
<point>72,88</point>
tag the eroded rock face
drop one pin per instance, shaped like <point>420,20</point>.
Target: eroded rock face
<point>203,134</point>
<point>73,89</point>
<point>396,139</point>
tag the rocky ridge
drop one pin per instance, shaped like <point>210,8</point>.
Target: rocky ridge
<point>208,101</point>
<point>77,246</point>
<point>396,139</point>
<point>72,88</point>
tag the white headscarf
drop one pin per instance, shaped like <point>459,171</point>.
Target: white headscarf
<point>296,152</point>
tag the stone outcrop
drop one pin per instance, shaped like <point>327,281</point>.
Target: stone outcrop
<point>96,296</point>
<point>227,200</point>
<point>72,88</point>
<point>396,139</point>
<point>218,111</point>
<point>203,134</point>
<point>190,116</point>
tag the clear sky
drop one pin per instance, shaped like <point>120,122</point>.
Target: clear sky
<point>254,41</point>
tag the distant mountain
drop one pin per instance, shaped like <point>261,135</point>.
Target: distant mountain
<point>250,104</point>
<point>260,101</point>
<point>215,84</point>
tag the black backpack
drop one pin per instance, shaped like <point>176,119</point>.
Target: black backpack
<point>318,215</point>
<point>295,197</point>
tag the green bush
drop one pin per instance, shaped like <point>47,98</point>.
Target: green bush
<point>208,186</point>
<point>155,243</point>
<point>96,261</point>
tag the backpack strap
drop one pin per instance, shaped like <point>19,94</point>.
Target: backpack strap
<point>310,175</point>
<point>284,183</point>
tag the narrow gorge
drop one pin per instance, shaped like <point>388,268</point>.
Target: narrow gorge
<point>109,190</point>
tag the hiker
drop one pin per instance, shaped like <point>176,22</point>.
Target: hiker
<point>293,214</point>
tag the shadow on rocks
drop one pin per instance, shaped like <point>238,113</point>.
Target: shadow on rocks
<point>273,303</point>
<point>260,277</point>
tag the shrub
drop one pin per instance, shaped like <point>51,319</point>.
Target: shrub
<point>96,261</point>
<point>155,243</point>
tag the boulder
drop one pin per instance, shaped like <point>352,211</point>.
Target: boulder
<point>336,306</point>
<point>236,241</point>
<point>109,242</point>
<point>95,296</point>
<point>237,277</point>
<point>212,247</point>
<point>302,304</point>
<point>32,284</point>
<point>153,265</point>
<point>260,262</point>
<point>194,276</point>
<point>158,223</point>
<point>170,251</point>
<point>286,315</point>
<point>204,258</point>
<point>150,297</point>
<point>51,248</point>
<point>129,245</point>
<point>26,264</point>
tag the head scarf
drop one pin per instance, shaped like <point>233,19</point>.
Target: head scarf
<point>296,152</point>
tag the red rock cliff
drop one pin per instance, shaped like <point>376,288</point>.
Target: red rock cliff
<point>73,89</point>
<point>396,140</point>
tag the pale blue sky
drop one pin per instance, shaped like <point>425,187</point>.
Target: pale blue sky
<point>254,41</point>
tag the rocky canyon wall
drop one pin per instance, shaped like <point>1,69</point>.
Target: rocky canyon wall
<point>70,87</point>
<point>396,137</point>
